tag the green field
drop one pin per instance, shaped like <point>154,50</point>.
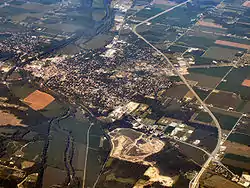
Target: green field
<point>204,117</point>
<point>234,80</point>
<point>219,53</point>
<point>226,122</point>
<point>196,42</point>
<point>240,138</point>
<point>237,157</point>
<point>213,71</point>
<point>202,93</point>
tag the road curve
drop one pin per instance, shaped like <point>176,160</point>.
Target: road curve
<point>195,181</point>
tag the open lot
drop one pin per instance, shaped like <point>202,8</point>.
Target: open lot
<point>133,148</point>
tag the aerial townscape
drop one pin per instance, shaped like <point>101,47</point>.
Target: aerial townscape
<point>125,93</point>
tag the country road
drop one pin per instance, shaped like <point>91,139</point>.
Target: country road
<point>195,182</point>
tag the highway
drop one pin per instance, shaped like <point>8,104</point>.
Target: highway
<point>195,182</point>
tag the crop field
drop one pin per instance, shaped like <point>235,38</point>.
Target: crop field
<point>22,90</point>
<point>232,44</point>
<point>234,82</point>
<point>196,41</point>
<point>33,151</point>
<point>209,24</point>
<point>212,180</point>
<point>237,161</point>
<point>226,121</point>
<point>213,71</point>
<point>240,138</point>
<point>207,138</point>
<point>53,176</point>
<point>224,100</point>
<point>246,4</point>
<point>203,80</point>
<point>56,150</point>
<point>121,173</point>
<point>237,148</point>
<point>246,83</point>
<point>244,126</point>
<point>54,109</point>
<point>219,53</point>
<point>178,91</point>
<point>38,100</point>
<point>245,107</point>
<point>207,77</point>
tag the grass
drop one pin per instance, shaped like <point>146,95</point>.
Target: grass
<point>204,117</point>
<point>111,177</point>
<point>202,94</point>
<point>109,162</point>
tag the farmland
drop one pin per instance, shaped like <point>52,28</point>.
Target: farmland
<point>38,100</point>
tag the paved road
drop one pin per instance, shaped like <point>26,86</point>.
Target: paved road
<point>195,182</point>
<point>86,157</point>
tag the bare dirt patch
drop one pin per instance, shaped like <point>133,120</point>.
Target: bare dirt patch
<point>209,24</point>
<point>232,44</point>
<point>38,100</point>
<point>246,83</point>
<point>237,149</point>
<point>133,150</point>
<point>246,4</point>
<point>224,100</point>
<point>9,119</point>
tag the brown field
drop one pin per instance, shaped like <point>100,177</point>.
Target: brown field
<point>203,80</point>
<point>237,149</point>
<point>10,119</point>
<point>38,100</point>
<point>224,100</point>
<point>246,4</point>
<point>235,163</point>
<point>53,176</point>
<point>215,181</point>
<point>232,44</point>
<point>209,24</point>
<point>246,83</point>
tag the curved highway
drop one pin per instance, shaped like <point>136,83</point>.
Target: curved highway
<point>195,182</point>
